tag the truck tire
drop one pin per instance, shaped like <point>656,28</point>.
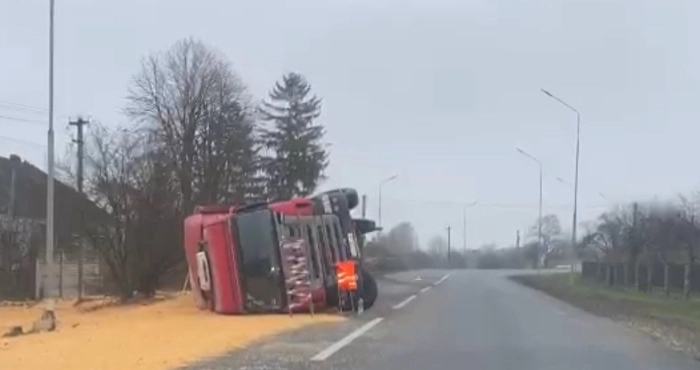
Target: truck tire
<point>332,299</point>
<point>369,294</point>
<point>351,197</point>
<point>369,289</point>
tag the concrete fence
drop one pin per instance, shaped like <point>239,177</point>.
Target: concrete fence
<point>66,277</point>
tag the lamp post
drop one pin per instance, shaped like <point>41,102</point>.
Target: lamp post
<point>49,282</point>
<point>379,218</point>
<point>578,145</point>
<point>539,219</point>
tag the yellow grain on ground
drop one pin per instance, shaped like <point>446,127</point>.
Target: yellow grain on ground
<point>156,336</point>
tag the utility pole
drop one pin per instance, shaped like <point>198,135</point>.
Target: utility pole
<point>575,217</point>
<point>635,239</point>
<point>539,221</point>
<point>79,124</point>
<point>449,245</point>
<point>517,239</point>
<point>379,218</point>
<point>464,229</point>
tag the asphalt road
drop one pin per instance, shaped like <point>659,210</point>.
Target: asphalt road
<point>471,320</point>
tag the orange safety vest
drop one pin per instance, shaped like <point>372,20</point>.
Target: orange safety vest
<point>347,280</point>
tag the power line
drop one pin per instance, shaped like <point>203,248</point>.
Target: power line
<point>20,141</point>
<point>487,205</point>
<point>18,119</point>
<point>27,109</point>
<point>22,107</point>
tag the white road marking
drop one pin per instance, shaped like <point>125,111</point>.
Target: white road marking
<point>441,279</point>
<point>404,302</point>
<point>425,289</point>
<point>337,346</point>
<point>559,312</point>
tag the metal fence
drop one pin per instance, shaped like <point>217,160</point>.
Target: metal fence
<point>660,275</point>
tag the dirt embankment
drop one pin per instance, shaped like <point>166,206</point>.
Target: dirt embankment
<point>671,320</point>
<point>157,334</point>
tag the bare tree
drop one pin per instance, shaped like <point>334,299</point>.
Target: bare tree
<point>132,182</point>
<point>551,228</point>
<point>610,237</point>
<point>437,245</point>
<point>402,238</point>
<point>662,233</point>
<point>201,116</point>
<point>690,237</point>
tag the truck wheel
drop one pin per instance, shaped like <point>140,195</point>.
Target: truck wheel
<point>332,299</point>
<point>369,291</point>
<point>369,294</point>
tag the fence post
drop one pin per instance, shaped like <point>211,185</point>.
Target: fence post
<point>60,274</point>
<point>38,279</point>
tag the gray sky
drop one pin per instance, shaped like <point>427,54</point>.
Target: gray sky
<point>439,92</point>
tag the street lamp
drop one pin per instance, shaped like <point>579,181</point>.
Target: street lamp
<point>578,145</point>
<point>539,219</point>
<point>380,196</point>
<point>464,225</point>
<point>48,287</point>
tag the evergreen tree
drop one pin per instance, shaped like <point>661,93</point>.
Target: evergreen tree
<point>297,156</point>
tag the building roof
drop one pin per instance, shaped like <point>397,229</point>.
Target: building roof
<point>30,199</point>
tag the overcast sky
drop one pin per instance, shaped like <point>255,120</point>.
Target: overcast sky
<point>439,92</point>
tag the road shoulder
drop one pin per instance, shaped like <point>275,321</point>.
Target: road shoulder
<point>665,320</point>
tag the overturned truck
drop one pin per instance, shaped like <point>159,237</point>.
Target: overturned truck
<point>276,257</point>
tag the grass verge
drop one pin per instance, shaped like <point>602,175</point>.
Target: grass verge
<point>672,320</point>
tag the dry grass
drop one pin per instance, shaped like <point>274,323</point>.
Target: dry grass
<point>157,334</point>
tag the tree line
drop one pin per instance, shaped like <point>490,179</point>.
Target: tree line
<point>399,249</point>
<point>195,136</point>
<point>639,236</point>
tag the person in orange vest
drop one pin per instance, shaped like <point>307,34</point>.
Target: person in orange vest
<point>347,279</point>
